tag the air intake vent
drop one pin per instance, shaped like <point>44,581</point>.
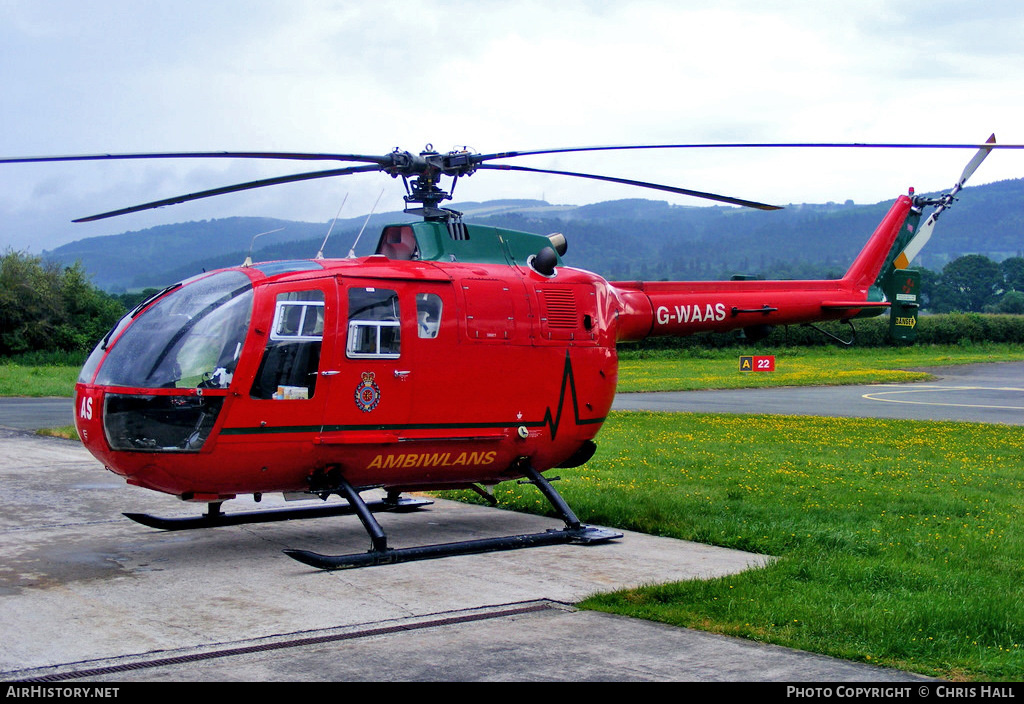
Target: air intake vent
<point>561,308</point>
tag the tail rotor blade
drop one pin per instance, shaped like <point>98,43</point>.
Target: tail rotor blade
<point>924,233</point>
<point>974,163</point>
<point>914,247</point>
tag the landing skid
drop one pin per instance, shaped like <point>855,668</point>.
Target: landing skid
<point>215,518</point>
<point>381,554</point>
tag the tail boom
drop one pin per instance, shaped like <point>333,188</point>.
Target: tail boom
<point>679,308</point>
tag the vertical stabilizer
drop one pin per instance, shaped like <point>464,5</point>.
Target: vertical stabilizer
<point>867,267</point>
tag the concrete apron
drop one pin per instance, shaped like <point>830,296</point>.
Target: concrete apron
<point>83,588</point>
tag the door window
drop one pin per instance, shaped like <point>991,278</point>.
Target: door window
<point>374,327</point>
<point>428,314</point>
<point>291,359</point>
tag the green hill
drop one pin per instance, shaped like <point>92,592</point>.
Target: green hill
<point>623,239</point>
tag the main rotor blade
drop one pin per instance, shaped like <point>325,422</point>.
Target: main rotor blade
<point>301,156</point>
<point>746,145</point>
<point>479,158</point>
<point>231,189</point>
<point>642,184</point>
<point>463,163</point>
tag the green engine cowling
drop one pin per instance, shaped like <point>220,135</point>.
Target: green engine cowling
<point>455,241</point>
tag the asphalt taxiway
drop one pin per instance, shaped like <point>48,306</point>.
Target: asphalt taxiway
<point>87,595</point>
<point>976,393</point>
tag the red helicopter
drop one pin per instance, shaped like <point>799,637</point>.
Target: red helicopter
<point>455,356</point>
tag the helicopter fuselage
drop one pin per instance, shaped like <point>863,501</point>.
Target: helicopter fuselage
<point>409,369</point>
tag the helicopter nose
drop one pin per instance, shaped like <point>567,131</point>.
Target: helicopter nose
<point>88,420</point>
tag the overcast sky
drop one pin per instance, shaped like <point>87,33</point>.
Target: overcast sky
<point>366,77</point>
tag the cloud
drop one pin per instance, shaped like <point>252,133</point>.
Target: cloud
<point>357,77</point>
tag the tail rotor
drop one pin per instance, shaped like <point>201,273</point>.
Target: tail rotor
<point>902,285</point>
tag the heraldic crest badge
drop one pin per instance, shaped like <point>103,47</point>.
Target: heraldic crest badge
<point>367,393</point>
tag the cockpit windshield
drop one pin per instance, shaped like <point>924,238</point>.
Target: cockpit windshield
<point>190,338</point>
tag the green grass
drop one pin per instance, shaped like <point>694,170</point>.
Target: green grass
<point>36,380</point>
<point>68,432</point>
<point>690,369</point>
<point>898,542</point>
<point>670,370</point>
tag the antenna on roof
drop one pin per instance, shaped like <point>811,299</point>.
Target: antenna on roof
<point>352,252</point>
<point>248,258</point>
<point>320,254</point>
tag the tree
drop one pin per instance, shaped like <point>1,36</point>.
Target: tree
<point>968,284</point>
<point>929,282</point>
<point>44,307</point>
<point>1012,270</point>
<point>130,300</point>
<point>1010,302</point>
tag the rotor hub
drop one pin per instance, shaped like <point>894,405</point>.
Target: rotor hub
<point>422,174</point>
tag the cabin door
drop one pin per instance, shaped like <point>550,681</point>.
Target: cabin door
<point>372,365</point>
<point>289,390</point>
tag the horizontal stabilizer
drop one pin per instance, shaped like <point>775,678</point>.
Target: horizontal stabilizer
<point>849,305</point>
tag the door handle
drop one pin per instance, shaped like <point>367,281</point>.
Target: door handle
<point>400,374</point>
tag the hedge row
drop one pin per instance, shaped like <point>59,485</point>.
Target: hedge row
<point>944,329</point>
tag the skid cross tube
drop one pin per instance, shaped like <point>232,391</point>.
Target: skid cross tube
<point>380,554</point>
<point>215,518</point>
<point>841,341</point>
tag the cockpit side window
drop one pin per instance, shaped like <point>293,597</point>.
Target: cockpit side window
<point>291,359</point>
<point>374,327</point>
